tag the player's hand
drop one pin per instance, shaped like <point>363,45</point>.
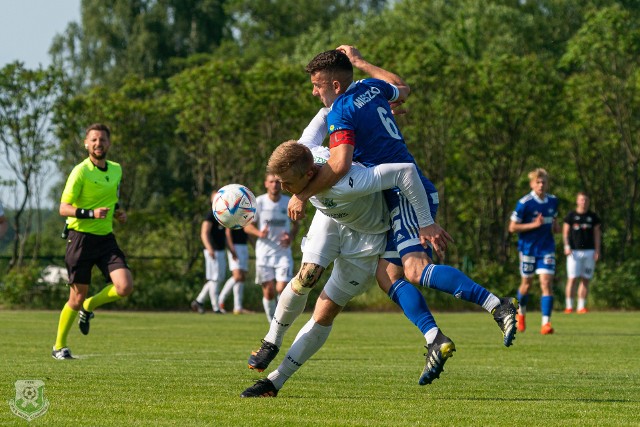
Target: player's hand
<point>437,236</point>
<point>567,250</point>
<point>100,213</point>
<point>539,221</point>
<point>212,253</point>
<point>296,208</point>
<point>396,110</point>
<point>285,239</point>
<point>352,53</point>
<point>264,232</point>
<point>121,216</point>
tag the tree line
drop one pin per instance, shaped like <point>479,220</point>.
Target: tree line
<point>199,92</point>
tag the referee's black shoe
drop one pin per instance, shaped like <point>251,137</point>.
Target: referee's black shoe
<point>84,317</point>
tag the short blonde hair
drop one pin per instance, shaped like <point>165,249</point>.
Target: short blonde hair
<point>290,155</point>
<point>538,173</point>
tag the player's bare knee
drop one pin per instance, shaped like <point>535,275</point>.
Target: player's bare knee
<point>414,264</point>
<point>125,289</point>
<point>75,302</point>
<point>413,270</point>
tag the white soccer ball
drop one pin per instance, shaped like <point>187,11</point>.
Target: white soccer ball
<point>234,206</point>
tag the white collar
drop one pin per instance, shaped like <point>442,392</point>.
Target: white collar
<point>538,199</point>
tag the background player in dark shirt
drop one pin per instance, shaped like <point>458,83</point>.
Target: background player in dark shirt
<point>214,238</point>
<point>581,234</point>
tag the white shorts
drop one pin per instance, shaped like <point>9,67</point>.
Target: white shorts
<point>242,263</point>
<point>278,267</point>
<point>355,256</point>
<point>215,269</point>
<point>581,263</point>
<point>545,264</point>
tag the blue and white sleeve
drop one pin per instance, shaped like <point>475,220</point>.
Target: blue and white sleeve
<point>405,177</point>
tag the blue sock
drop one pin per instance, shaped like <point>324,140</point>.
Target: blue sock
<point>523,299</point>
<point>412,302</point>
<point>453,281</point>
<point>546,305</point>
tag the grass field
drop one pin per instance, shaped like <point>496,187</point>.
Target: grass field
<point>184,369</point>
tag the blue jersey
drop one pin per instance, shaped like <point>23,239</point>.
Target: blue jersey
<point>364,109</point>
<point>539,241</point>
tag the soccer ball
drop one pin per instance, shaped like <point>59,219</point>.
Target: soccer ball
<point>234,206</point>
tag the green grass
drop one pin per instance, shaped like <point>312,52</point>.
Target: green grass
<point>184,369</point>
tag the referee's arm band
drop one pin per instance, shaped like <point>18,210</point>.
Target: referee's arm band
<point>84,213</point>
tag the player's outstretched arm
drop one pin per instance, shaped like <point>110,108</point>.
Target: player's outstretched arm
<point>405,177</point>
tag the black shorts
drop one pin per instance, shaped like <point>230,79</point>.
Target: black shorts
<point>84,250</point>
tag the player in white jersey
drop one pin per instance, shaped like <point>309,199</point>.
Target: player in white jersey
<point>349,228</point>
<point>361,127</point>
<point>275,232</point>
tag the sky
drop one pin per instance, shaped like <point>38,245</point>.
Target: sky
<point>27,28</point>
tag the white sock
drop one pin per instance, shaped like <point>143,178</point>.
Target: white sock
<point>213,294</point>
<point>204,292</point>
<point>545,319</point>
<point>238,290</point>
<point>430,336</point>
<point>582,302</point>
<point>269,307</point>
<point>290,306</point>
<point>568,302</point>
<point>309,340</point>
<point>228,286</point>
<point>491,302</point>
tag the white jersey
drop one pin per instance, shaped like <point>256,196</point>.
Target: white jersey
<point>274,215</point>
<point>357,202</point>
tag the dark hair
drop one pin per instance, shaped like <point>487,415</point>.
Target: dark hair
<point>100,127</point>
<point>332,60</point>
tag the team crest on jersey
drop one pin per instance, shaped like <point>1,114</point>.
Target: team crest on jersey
<point>328,203</point>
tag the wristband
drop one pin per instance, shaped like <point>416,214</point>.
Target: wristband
<point>84,213</point>
<point>567,247</point>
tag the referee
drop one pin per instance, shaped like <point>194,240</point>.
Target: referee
<point>90,203</point>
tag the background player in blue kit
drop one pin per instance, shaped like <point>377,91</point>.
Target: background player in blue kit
<point>362,128</point>
<point>534,219</point>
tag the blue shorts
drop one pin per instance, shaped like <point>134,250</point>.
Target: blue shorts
<point>404,236</point>
<point>530,265</point>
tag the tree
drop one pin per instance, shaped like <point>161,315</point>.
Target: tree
<point>603,96</point>
<point>142,37</point>
<point>27,98</point>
